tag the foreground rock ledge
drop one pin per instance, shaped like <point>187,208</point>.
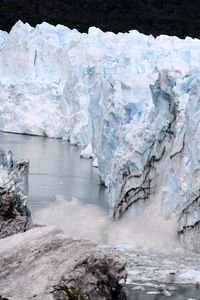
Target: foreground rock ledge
<point>34,262</point>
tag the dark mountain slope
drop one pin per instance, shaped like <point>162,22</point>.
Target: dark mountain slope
<point>172,17</point>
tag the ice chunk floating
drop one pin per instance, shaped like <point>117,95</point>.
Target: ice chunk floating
<point>131,100</point>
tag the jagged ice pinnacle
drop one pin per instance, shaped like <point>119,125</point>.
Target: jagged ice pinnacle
<point>133,102</point>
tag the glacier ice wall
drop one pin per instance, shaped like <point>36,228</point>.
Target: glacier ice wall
<point>156,163</point>
<point>50,75</point>
<point>132,99</point>
<point>39,69</point>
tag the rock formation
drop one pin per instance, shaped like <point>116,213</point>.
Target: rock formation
<point>35,263</point>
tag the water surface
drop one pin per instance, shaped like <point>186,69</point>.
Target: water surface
<point>55,169</point>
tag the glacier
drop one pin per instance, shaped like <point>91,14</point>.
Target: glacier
<point>130,100</point>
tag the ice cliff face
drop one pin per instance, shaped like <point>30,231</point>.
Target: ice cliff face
<point>132,98</point>
<point>40,69</point>
<point>149,151</point>
<point>49,76</point>
<point>156,161</point>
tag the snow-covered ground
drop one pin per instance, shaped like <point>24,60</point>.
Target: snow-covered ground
<point>132,99</point>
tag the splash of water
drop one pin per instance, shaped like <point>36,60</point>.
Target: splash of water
<point>87,221</point>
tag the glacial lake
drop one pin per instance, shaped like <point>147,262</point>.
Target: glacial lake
<point>57,169</point>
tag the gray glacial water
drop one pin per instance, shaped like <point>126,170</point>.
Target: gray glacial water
<point>181,292</point>
<point>55,169</point>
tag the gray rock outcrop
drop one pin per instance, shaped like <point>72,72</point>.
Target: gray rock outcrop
<point>34,263</point>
